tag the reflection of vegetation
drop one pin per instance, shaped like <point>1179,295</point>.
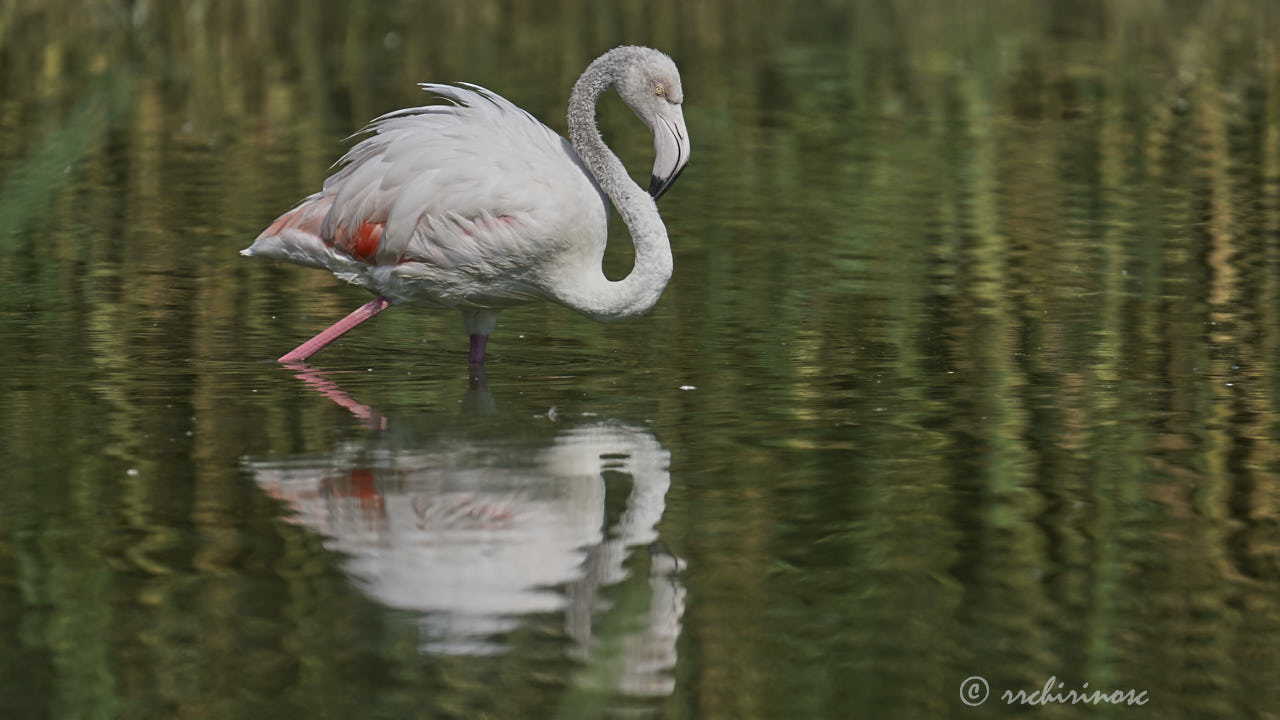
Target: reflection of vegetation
<point>980,299</point>
<point>50,167</point>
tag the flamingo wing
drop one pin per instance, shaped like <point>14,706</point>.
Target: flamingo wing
<point>460,204</point>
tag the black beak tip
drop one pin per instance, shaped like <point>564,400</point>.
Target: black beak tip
<point>655,187</point>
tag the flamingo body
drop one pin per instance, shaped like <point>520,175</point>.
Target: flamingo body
<point>468,206</point>
<point>476,205</point>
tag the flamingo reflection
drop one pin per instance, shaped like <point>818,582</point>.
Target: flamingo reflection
<point>477,534</point>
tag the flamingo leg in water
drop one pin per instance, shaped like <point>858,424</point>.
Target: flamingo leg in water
<point>478,343</point>
<point>336,330</point>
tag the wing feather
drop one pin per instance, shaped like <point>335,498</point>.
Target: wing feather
<point>472,192</point>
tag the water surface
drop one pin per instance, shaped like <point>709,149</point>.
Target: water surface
<point>968,367</point>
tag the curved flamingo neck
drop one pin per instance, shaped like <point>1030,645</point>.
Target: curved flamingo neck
<point>595,295</point>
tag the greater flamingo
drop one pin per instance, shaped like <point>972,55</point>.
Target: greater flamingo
<point>478,206</point>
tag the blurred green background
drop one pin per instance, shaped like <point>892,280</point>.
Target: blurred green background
<point>978,302</point>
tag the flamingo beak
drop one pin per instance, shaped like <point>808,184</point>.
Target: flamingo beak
<point>670,149</point>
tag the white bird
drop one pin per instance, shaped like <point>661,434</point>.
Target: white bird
<point>479,206</point>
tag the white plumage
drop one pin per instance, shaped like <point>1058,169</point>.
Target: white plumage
<point>476,205</point>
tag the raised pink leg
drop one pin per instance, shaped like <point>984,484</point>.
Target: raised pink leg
<point>336,330</point>
<point>478,343</point>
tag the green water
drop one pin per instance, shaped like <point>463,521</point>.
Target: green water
<point>968,367</point>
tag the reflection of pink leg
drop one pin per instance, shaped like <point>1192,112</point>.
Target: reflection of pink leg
<point>369,417</point>
<point>478,343</point>
<point>334,331</point>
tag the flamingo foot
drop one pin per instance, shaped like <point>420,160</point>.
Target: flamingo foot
<point>336,330</point>
<point>478,344</point>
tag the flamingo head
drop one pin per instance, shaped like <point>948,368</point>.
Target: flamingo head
<point>651,87</point>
